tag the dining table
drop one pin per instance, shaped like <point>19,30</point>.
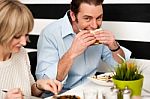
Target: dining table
<point>102,91</point>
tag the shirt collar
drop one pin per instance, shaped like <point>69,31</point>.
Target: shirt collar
<point>67,27</point>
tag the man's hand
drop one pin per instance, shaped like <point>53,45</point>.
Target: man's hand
<point>82,40</point>
<point>106,38</point>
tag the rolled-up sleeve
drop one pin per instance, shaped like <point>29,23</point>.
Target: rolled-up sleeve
<point>47,57</point>
<point>127,53</point>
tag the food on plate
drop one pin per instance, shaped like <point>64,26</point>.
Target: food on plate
<point>68,97</point>
<point>104,77</point>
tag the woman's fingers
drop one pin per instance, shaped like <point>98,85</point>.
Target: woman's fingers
<point>50,85</point>
<point>14,94</point>
<point>51,88</point>
<point>59,85</point>
<point>54,86</point>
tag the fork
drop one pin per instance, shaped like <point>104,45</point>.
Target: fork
<point>29,97</point>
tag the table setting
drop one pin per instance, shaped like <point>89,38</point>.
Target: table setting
<point>99,86</point>
<point>98,91</point>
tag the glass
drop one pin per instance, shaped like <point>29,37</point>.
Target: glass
<point>90,93</point>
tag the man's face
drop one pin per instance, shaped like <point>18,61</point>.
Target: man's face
<point>89,17</point>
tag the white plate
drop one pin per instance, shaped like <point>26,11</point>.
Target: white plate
<point>101,82</point>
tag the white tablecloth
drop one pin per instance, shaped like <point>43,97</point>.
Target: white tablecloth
<point>90,85</point>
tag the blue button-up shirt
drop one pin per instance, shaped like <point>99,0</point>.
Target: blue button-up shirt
<point>54,42</point>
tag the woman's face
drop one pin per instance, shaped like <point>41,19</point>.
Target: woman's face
<point>17,42</point>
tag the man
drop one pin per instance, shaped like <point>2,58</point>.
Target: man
<point>67,50</point>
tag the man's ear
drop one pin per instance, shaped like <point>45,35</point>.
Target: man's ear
<point>72,15</point>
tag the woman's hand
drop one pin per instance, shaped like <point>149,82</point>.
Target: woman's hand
<point>49,85</point>
<point>14,94</point>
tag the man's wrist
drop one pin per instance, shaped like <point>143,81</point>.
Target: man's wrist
<point>70,54</point>
<point>118,47</point>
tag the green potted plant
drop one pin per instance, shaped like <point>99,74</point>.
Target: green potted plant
<point>128,74</point>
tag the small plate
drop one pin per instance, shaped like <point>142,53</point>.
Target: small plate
<point>102,79</point>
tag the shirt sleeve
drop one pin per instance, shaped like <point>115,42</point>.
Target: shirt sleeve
<point>108,58</point>
<point>126,52</point>
<point>48,56</point>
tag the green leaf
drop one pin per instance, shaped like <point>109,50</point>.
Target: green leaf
<point>127,71</point>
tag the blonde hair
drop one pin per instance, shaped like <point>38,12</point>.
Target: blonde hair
<point>15,18</point>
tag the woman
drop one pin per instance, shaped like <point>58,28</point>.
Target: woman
<point>16,21</point>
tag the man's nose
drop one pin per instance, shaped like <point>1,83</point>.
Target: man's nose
<point>94,24</point>
<point>23,40</point>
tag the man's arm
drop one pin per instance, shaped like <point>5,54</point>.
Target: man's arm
<point>108,39</point>
<point>81,41</point>
<point>64,65</point>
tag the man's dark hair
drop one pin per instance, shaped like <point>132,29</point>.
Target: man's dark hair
<point>75,4</point>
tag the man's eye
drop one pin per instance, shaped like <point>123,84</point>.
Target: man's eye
<point>99,18</point>
<point>87,19</point>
